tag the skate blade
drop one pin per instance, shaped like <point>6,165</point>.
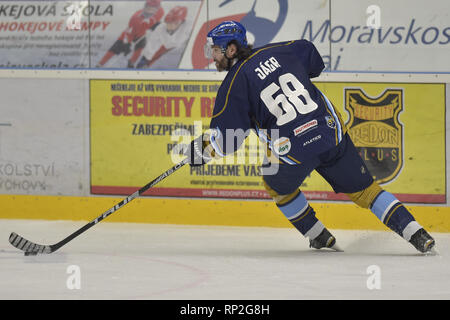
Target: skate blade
<point>336,248</point>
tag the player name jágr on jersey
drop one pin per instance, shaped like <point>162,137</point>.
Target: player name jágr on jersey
<point>266,67</point>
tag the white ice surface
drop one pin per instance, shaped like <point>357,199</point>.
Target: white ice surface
<point>171,262</point>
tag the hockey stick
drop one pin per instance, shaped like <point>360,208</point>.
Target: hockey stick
<point>31,248</point>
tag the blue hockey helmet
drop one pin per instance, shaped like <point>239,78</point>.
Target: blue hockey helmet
<point>226,32</point>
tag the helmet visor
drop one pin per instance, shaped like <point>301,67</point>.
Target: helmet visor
<point>208,48</point>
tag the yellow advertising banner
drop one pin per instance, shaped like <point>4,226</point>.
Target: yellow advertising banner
<point>398,128</point>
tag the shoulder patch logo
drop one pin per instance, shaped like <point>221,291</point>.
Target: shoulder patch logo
<point>376,131</point>
<point>330,122</point>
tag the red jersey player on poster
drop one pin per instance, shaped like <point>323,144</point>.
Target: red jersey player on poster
<point>165,38</point>
<point>143,20</point>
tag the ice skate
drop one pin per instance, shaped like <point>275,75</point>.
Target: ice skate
<point>324,240</point>
<point>422,241</point>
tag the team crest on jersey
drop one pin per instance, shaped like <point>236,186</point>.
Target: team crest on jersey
<point>376,131</point>
<point>330,122</point>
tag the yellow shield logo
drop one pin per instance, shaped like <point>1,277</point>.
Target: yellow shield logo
<point>376,131</point>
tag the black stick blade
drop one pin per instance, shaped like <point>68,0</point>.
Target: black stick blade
<point>27,246</point>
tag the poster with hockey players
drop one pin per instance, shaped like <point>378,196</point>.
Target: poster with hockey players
<point>95,33</point>
<point>148,34</point>
<point>141,122</point>
<point>166,34</point>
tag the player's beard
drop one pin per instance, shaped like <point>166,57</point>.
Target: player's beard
<point>224,64</point>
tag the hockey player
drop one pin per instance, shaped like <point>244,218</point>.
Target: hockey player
<point>141,21</point>
<point>166,37</point>
<point>269,90</point>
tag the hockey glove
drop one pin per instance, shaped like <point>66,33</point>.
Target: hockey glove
<point>199,152</point>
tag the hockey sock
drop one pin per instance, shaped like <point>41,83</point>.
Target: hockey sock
<point>394,215</point>
<point>302,216</point>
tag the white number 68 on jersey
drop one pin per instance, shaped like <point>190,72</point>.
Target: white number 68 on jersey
<point>280,107</point>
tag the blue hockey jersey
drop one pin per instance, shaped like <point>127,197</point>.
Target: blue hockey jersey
<point>271,93</point>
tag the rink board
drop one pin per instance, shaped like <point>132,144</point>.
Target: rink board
<point>52,171</point>
<point>205,212</point>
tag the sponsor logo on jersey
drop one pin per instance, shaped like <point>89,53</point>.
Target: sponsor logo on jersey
<point>312,140</point>
<point>305,127</point>
<point>376,131</point>
<point>281,146</point>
